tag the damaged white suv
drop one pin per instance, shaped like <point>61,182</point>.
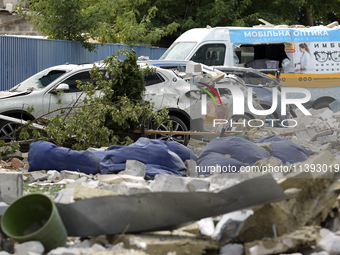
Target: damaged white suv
<point>163,88</point>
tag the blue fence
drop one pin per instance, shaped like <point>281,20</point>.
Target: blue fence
<point>21,57</point>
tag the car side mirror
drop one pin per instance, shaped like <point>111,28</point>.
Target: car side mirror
<point>61,87</point>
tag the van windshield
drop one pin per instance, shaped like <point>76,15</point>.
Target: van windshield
<point>178,51</point>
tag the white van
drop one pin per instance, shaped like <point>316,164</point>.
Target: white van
<point>298,57</point>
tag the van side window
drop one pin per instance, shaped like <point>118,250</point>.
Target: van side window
<point>210,54</point>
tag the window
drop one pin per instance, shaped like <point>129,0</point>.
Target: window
<point>178,51</point>
<point>245,54</point>
<point>41,79</point>
<point>153,78</point>
<point>72,81</point>
<point>210,54</point>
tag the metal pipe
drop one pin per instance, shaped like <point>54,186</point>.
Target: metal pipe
<point>20,121</point>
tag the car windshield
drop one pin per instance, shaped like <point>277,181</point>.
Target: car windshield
<point>178,51</point>
<point>40,80</point>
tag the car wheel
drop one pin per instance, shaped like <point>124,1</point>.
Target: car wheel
<point>177,125</point>
<point>7,130</point>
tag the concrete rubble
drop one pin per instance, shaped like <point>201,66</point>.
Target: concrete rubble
<point>305,219</point>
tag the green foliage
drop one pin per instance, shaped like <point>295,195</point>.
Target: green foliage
<point>200,13</point>
<point>62,19</point>
<point>6,150</point>
<point>108,21</point>
<point>99,120</point>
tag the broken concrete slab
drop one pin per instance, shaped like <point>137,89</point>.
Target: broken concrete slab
<point>66,174</point>
<point>191,167</point>
<point>53,176</point>
<point>155,211</point>
<point>65,196</point>
<point>230,225</point>
<point>134,167</point>
<point>81,192</point>
<point>329,243</point>
<point>305,134</point>
<point>37,176</point>
<point>11,186</point>
<point>319,192</point>
<point>117,178</point>
<point>162,244</point>
<point>170,183</point>
<point>128,188</point>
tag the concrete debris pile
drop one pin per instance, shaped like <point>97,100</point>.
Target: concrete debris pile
<point>318,131</point>
<point>278,203</point>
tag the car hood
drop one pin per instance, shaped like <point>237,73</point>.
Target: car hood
<point>7,94</point>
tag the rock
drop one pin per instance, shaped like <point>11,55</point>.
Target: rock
<point>135,168</point>
<point>232,249</point>
<point>191,167</point>
<point>230,225</point>
<point>328,138</point>
<point>36,176</point>
<point>65,196</point>
<point>326,147</point>
<point>171,183</point>
<point>65,174</point>
<point>16,163</point>
<point>81,192</point>
<point>16,154</point>
<point>329,243</point>
<point>53,175</point>
<point>28,247</point>
<point>206,226</point>
<point>65,251</point>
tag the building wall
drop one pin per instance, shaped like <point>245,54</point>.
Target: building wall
<point>21,57</point>
<point>13,24</point>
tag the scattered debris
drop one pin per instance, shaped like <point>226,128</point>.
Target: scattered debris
<point>292,210</point>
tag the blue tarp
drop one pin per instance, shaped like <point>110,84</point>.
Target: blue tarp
<point>285,149</point>
<point>159,157</point>
<point>48,156</point>
<point>155,154</point>
<point>241,152</point>
<point>229,154</point>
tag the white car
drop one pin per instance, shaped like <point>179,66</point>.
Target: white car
<point>165,88</point>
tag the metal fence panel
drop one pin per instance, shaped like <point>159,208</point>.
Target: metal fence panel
<point>21,57</point>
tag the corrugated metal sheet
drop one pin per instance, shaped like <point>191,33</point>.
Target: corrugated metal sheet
<point>21,57</point>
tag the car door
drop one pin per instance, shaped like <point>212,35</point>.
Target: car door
<point>68,99</point>
<point>155,85</point>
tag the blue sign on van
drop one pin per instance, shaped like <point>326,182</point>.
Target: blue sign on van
<point>283,35</point>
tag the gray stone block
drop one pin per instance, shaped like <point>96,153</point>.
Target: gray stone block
<point>11,186</point>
